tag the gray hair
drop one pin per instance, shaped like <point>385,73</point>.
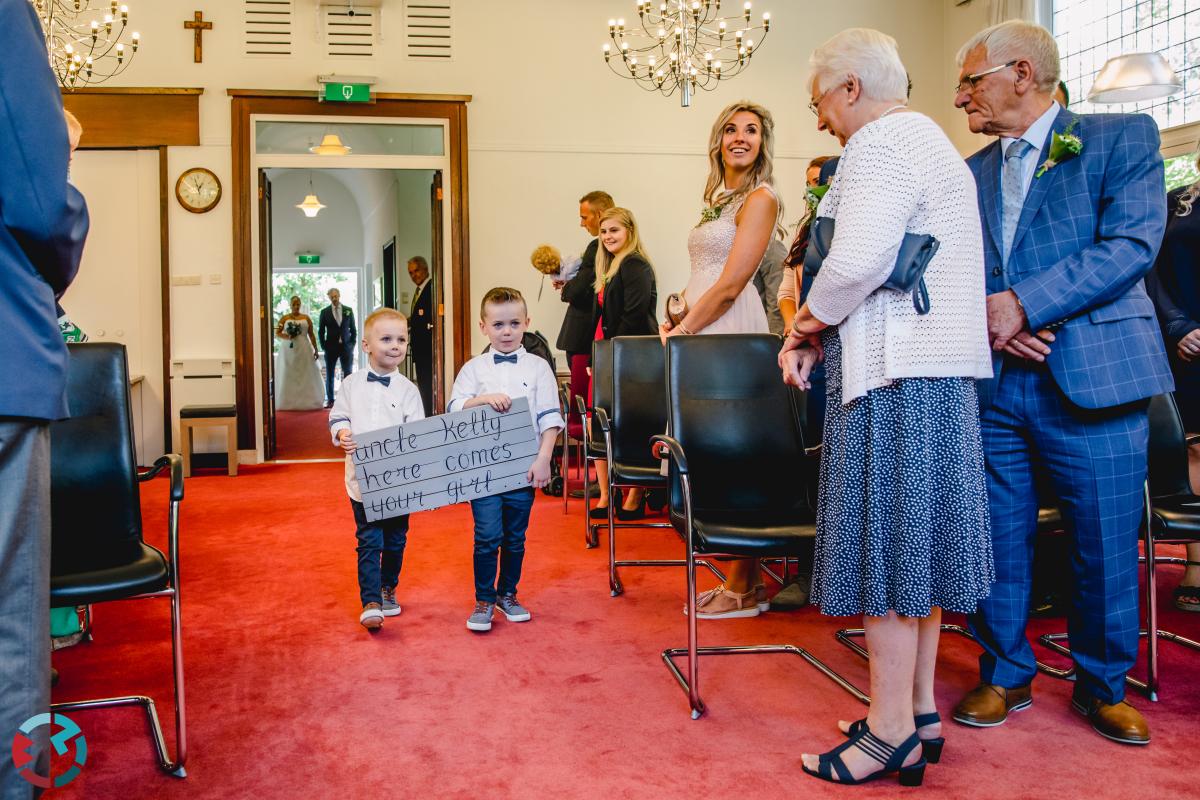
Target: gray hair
<point>1017,39</point>
<point>867,54</point>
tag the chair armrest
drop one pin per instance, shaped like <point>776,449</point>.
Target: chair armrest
<point>174,462</point>
<point>580,406</point>
<point>675,449</point>
<point>1192,440</point>
<point>602,417</point>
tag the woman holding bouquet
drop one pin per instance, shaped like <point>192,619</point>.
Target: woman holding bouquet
<point>297,377</point>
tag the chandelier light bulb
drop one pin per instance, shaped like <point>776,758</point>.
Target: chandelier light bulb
<point>694,58</point>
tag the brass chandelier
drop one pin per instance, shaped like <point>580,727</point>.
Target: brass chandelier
<point>86,39</point>
<point>683,44</point>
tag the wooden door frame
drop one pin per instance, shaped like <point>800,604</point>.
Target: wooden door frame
<point>247,102</point>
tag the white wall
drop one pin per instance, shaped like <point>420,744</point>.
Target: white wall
<point>548,123</point>
<point>117,295</point>
<point>413,221</point>
<point>336,233</point>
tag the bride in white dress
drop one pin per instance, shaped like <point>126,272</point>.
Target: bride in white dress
<point>741,217</point>
<point>298,384</point>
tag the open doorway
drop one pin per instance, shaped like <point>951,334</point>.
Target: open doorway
<point>371,224</point>
<point>306,370</point>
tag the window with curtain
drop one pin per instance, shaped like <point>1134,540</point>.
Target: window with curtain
<point>1089,32</point>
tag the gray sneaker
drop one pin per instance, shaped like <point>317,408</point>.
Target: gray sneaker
<point>511,609</point>
<point>481,617</point>
<point>390,607</point>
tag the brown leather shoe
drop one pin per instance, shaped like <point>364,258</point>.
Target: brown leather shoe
<point>987,705</point>
<point>1120,722</point>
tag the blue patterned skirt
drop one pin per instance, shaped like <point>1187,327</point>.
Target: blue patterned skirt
<point>902,512</point>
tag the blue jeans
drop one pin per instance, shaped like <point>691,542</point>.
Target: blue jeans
<point>380,553</point>
<point>500,523</point>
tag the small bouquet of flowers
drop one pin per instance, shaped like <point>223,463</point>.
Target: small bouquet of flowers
<point>293,330</point>
<point>547,260</point>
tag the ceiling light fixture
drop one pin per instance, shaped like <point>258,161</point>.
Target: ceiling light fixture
<point>331,145</point>
<point>311,205</point>
<point>1134,77</point>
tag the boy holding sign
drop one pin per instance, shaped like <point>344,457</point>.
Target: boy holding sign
<point>494,379</point>
<point>370,399</point>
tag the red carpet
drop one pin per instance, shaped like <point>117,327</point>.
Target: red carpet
<point>303,435</point>
<point>289,698</point>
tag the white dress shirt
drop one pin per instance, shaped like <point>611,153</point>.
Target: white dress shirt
<point>1036,135</point>
<point>364,406</point>
<point>530,377</point>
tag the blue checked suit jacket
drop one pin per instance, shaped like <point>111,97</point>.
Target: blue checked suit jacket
<point>1087,235</point>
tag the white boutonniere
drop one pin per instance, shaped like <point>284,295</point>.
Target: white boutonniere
<point>1063,147</point>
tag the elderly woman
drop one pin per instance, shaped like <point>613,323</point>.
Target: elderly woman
<point>902,519</point>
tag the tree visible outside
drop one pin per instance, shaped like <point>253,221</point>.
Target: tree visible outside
<point>311,287</point>
<point>1181,171</point>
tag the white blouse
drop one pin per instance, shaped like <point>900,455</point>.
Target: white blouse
<point>897,175</point>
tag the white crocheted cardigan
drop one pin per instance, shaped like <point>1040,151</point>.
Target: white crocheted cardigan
<point>900,174</point>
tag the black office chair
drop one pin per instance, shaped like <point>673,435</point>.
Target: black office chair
<point>97,550</point>
<point>593,437</point>
<point>738,472</point>
<point>638,412</point>
<point>1172,517</point>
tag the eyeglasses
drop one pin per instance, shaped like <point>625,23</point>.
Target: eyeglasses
<point>815,105</point>
<point>969,82</point>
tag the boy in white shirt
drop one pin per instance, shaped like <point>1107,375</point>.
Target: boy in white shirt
<point>368,400</point>
<point>494,379</point>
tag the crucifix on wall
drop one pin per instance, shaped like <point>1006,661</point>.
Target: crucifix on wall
<point>198,26</point>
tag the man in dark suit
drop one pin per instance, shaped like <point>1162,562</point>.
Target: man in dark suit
<point>1069,235</point>
<point>337,335</point>
<point>578,326</point>
<point>420,329</point>
<point>43,224</point>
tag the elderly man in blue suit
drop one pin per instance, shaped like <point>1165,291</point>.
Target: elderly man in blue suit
<point>43,223</point>
<point>1073,214</point>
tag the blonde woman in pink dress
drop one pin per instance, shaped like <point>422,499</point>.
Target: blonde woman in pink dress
<point>742,214</point>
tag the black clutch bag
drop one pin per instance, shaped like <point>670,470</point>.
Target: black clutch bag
<point>908,275</point>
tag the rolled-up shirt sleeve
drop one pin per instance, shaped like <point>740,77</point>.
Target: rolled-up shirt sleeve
<point>544,403</point>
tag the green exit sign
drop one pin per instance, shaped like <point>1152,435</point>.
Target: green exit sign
<point>306,258</point>
<point>347,92</point>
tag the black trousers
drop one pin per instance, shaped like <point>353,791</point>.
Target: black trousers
<point>332,357</point>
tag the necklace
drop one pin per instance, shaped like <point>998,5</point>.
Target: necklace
<point>893,108</point>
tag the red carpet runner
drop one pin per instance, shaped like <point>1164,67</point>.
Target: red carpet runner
<point>303,435</point>
<point>287,697</point>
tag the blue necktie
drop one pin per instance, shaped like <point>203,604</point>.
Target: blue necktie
<point>385,380</point>
<point>1012,190</point>
<point>497,358</point>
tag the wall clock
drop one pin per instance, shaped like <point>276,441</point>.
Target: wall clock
<point>198,190</point>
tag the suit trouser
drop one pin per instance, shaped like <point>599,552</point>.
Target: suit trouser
<point>1096,461</point>
<point>24,590</point>
<point>423,364</point>
<point>332,357</point>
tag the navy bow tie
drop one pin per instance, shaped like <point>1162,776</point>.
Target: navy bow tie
<point>385,380</point>
<point>497,358</point>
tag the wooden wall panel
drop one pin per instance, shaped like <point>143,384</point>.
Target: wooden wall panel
<point>140,117</point>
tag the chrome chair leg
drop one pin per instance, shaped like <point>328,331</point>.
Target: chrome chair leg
<point>173,767</point>
<point>691,683</point>
<point>847,636</point>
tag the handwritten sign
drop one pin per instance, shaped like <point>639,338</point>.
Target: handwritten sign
<point>444,460</point>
